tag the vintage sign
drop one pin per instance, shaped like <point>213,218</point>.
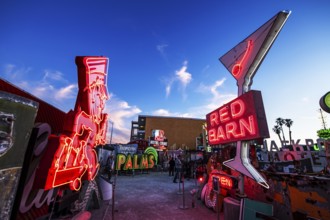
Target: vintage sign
<point>241,119</point>
<point>17,115</point>
<point>33,200</point>
<point>242,62</point>
<point>223,181</point>
<point>244,59</point>
<point>84,128</point>
<point>134,161</point>
<point>325,102</point>
<point>158,139</point>
<point>126,148</point>
<point>226,182</point>
<point>310,144</point>
<point>159,135</point>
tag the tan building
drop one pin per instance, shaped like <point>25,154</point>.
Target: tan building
<point>179,132</point>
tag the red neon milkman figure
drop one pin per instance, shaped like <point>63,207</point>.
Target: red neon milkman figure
<point>84,128</point>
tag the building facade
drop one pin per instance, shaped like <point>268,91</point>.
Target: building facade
<point>181,133</point>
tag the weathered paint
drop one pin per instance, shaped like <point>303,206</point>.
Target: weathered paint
<point>17,116</point>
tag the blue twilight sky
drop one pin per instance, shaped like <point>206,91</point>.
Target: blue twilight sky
<point>164,55</point>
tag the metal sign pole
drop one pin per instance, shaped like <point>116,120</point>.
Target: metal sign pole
<point>113,196</point>
<point>112,200</point>
<point>179,192</point>
<point>216,189</point>
<point>218,205</point>
<point>183,197</point>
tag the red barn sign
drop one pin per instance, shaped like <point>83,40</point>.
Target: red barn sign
<point>243,118</point>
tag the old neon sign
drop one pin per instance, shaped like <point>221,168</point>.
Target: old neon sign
<point>225,181</point>
<point>231,124</point>
<point>241,119</point>
<point>244,59</point>
<point>158,139</point>
<point>84,128</point>
<point>133,162</point>
<point>237,68</point>
<point>325,102</point>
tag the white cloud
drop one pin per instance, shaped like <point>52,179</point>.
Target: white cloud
<point>9,69</point>
<point>121,114</point>
<point>168,89</point>
<point>205,69</point>
<point>167,113</point>
<point>162,112</point>
<point>216,85</point>
<point>182,77</point>
<point>69,91</point>
<point>50,75</point>
<point>161,48</point>
<point>215,100</point>
<point>13,73</point>
<point>52,87</point>
<point>305,99</point>
<point>41,90</point>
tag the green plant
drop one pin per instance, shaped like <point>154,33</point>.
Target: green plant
<point>324,133</point>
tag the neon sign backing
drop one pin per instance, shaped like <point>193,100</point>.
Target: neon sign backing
<point>84,128</point>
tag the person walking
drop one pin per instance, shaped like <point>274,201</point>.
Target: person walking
<point>172,166</point>
<point>178,168</point>
<point>109,167</point>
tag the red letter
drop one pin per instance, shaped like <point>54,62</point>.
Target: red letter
<point>128,163</point>
<point>221,134</point>
<point>135,163</point>
<point>121,158</point>
<point>237,108</point>
<point>212,135</point>
<point>214,118</point>
<point>144,161</point>
<point>247,126</point>
<point>151,161</point>
<point>223,112</point>
<point>230,129</point>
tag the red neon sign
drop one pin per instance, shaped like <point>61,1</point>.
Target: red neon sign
<point>84,128</point>
<point>237,68</point>
<point>226,182</point>
<point>241,119</point>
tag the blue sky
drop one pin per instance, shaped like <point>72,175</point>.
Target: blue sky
<point>164,56</point>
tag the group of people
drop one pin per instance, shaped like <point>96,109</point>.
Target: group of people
<point>177,167</point>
